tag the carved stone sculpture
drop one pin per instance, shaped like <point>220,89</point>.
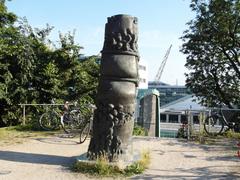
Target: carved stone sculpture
<point>114,116</point>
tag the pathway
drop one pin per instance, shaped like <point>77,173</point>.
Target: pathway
<point>50,157</point>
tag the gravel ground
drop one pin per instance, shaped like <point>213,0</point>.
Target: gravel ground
<point>50,157</point>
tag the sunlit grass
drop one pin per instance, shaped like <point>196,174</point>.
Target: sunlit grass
<point>17,134</point>
<point>139,131</point>
<point>232,135</point>
<point>103,168</point>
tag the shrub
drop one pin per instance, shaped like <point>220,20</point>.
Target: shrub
<point>182,131</point>
<point>139,131</point>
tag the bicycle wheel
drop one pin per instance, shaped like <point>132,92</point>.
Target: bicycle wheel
<point>213,125</point>
<point>72,122</point>
<point>49,121</point>
<point>84,132</point>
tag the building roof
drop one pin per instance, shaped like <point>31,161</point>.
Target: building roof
<point>144,92</point>
<point>184,103</point>
<point>158,83</point>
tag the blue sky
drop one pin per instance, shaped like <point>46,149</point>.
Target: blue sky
<point>161,23</point>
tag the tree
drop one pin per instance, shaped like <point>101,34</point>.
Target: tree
<point>16,64</point>
<point>212,46</point>
<point>34,70</point>
<point>85,80</point>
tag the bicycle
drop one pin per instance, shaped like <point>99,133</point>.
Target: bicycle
<point>222,120</point>
<point>80,122</point>
<point>72,122</point>
<point>50,120</point>
<point>87,126</point>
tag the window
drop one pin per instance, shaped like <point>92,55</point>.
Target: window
<point>195,120</point>
<point>183,119</point>
<point>142,67</point>
<point>142,80</point>
<point>173,118</point>
<point>163,117</point>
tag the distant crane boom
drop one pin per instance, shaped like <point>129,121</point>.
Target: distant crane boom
<point>160,70</point>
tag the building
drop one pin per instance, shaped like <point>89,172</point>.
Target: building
<point>177,106</point>
<point>169,93</point>
<point>175,112</point>
<point>143,75</point>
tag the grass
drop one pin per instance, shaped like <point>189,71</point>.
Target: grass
<point>18,134</point>
<point>232,135</point>
<point>102,168</point>
<point>139,131</point>
<point>139,166</point>
<point>204,138</point>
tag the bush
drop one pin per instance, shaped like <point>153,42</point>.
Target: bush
<point>182,131</point>
<point>139,131</point>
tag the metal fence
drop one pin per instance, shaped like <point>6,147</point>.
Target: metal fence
<point>192,119</point>
<point>25,105</point>
<point>197,127</point>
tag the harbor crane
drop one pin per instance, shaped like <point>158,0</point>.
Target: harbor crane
<point>160,70</point>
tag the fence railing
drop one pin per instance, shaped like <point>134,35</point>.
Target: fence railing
<point>202,115</point>
<point>24,109</point>
<point>190,116</point>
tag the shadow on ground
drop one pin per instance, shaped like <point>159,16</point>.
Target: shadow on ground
<point>223,144</point>
<point>209,172</point>
<point>60,141</point>
<point>36,158</point>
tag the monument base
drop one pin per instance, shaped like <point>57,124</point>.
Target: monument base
<point>123,161</point>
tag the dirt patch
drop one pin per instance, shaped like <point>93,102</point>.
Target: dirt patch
<point>50,158</point>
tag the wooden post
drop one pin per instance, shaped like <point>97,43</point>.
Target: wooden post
<point>189,124</point>
<point>24,115</point>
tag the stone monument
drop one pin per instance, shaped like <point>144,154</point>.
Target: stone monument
<point>114,117</point>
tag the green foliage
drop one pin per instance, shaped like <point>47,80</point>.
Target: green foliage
<point>182,131</point>
<point>231,134</point>
<point>103,168</point>
<point>34,70</point>
<point>139,166</point>
<point>139,131</point>
<point>6,18</point>
<point>212,47</point>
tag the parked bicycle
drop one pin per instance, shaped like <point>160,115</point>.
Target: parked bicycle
<point>222,120</point>
<point>73,121</point>
<point>86,126</point>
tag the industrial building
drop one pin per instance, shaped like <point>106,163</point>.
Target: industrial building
<point>169,93</point>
